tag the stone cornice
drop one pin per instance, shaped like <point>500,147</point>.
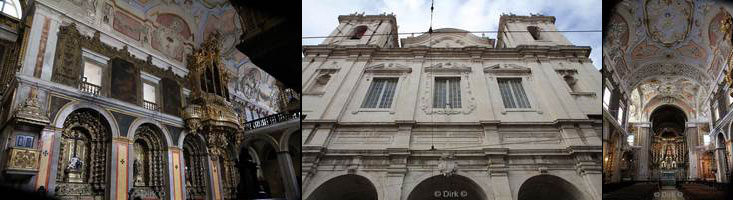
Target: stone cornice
<point>580,53</point>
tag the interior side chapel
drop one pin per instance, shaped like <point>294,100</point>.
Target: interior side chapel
<point>667,95</point>
<point>112,99</point>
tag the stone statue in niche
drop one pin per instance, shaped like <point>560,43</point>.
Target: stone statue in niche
<point>136,172</point>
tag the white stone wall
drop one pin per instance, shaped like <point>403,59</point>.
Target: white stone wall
<point>497,148</point>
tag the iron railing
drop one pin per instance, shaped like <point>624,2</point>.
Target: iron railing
<point>150,105</point>
<point>270,120</point>
<point>90,88</point>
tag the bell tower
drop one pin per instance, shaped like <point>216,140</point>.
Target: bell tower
<point>359,29</point>
<point>535,29</point>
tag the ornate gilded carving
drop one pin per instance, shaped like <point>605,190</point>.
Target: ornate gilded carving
<point>728,72</point>
<point>67,67</point>
<point>22,159</point>
<point>150,170</point>
<point>31,111</point>
<point>211,114</point>
<point>194,152</point>
<point>85,127</point>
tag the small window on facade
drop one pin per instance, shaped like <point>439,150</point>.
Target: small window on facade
<point>570,80</point>
<point>380,93</point>
<point>358,32</point>
<point>706,139</point>
<point>606,97</point>
<point>320,85</point>
<point>512,93</point>
<point>534,31</point>
<point>24,141</point>
<point>630,139</point>
<point>447,93</point>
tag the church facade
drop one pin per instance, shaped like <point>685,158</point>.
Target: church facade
<point>141,99</point>
<point>449,114</point>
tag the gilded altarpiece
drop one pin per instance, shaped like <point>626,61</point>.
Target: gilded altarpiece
<point>195,160</point>
<point>82,164</point>
<point>669,153</point>
<point>150,174</point>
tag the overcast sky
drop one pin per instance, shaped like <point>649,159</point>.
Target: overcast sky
<point>320,16</point>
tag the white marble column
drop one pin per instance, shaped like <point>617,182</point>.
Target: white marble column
<point>720,159</point>
<point>645,143</point>
<point>692,134</point>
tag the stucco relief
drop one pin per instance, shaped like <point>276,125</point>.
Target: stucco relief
<point>668,22</point>
<point>668,69</point>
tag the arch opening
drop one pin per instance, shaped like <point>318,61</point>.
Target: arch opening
<point>260,171</point>
<point>447,187</point>
<point>548,187</point>
<point>348,186</point>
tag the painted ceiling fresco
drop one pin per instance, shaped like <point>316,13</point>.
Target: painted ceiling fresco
<point>172,28</point>
<point>648,32</point>
<point>670,50</point>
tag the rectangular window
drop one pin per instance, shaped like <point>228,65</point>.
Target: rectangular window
<point>620,116</point>
<point>606,97</point>
<point>93,73</point>
<point>447,93</point>
<point>512,93</point>
<point>24,141</point>
<point>380,93</point>
<point>630,139</point>
<point>149,92</point>
<point>706,139</point>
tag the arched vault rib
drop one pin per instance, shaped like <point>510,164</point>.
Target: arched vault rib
<point>655,70</point>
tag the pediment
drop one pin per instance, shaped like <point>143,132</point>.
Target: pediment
<point>389,68</point>
<point>507,68</point>
<point>448,67</point>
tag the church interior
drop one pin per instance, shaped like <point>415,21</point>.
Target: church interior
<point>667,101</point>
<point>149,99</point>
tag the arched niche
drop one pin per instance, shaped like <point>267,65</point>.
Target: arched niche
<point>447,187</point>
<point>549,187</point>
<point>150,163</point>
<point>84,155</point>
<point>347,186</point>
<point>195,157</point>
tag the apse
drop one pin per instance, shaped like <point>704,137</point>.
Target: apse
<point>668,118</point>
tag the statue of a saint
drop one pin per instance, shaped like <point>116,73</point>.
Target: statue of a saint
<point>136,169</point>
<point>75,163</point>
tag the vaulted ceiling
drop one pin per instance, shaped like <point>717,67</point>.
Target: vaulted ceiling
<point>669,50</point>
